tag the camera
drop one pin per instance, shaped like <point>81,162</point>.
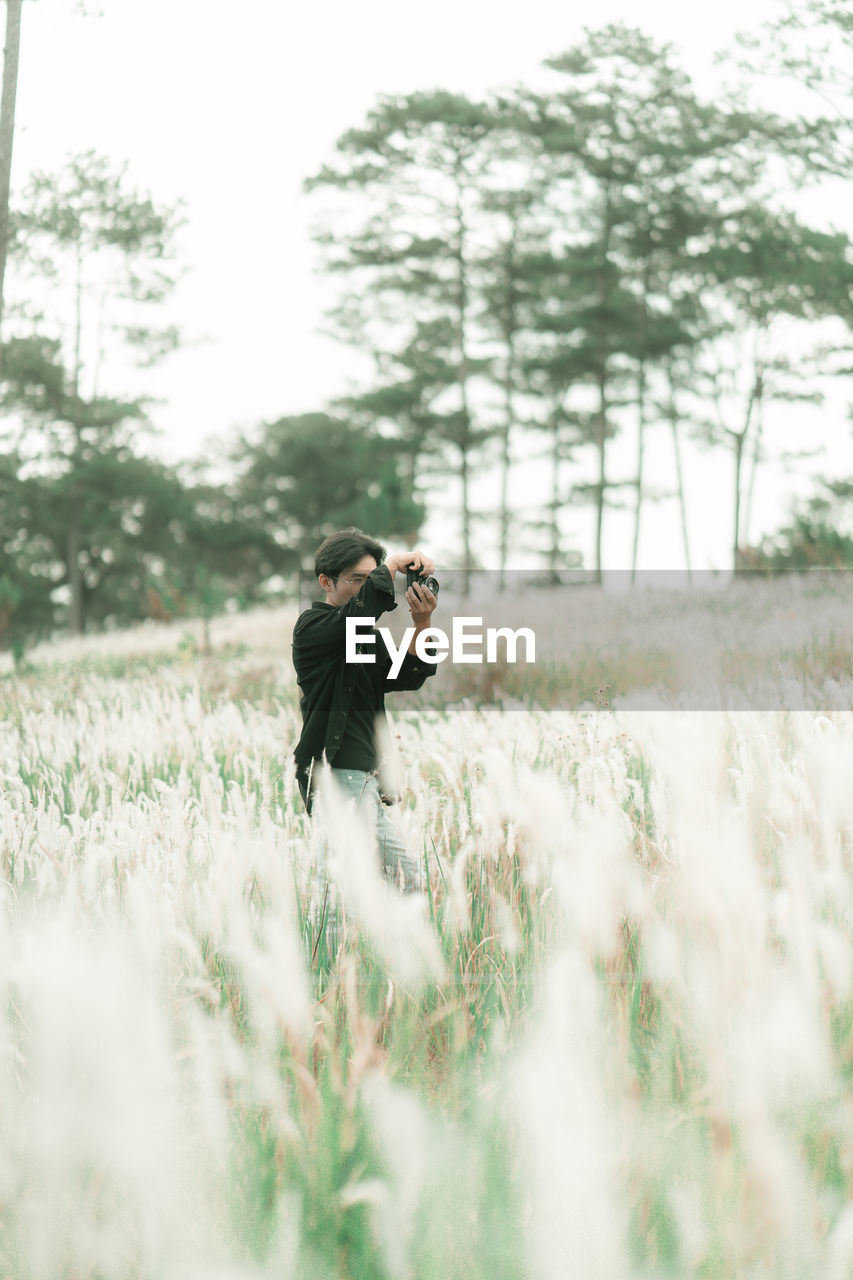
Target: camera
<point>413,575</point>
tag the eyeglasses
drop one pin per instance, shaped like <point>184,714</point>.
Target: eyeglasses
<point>358,581</point>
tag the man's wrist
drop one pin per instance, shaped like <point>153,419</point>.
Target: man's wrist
<point>419,627</point>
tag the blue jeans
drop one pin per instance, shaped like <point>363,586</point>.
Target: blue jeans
<point>400,867</point>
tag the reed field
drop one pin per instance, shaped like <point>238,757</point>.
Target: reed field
<point>613,1040</point>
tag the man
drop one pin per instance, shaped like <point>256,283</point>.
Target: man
<point>341,701</point>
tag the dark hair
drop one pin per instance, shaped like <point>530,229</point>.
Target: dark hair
<point>344,549</point>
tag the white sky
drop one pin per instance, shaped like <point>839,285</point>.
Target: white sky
<point>230,106</point>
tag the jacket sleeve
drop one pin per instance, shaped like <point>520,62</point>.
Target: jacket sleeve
<point>412,674</point>
<point>321,633</point>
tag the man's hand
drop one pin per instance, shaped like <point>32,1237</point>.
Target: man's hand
<point>421,604</point>
<point>400,562</point>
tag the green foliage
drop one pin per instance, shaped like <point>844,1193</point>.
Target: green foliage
<point>813,539</point>
<point>28,571</point>
<point>772,264</point>
<point>808,42</point>
<point>148,543</point>
<point>89,511</point>
<point>86,231</point>
<point>586,260</point>
<point>305,476</point>
<point>413,265</point>
<point>582,264</point>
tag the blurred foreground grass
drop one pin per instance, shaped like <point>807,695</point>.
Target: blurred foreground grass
<point>616,1039</point>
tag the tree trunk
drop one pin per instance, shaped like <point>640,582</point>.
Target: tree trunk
<point>739,442</point>
<point>555,505</point>
<point>756,453</point>
<point>509,408</point>
<point>641,431</point>
<point>462,340</point>
<point>7,127</point>
<point>679,472</point>
<point>75,520</point>
<point>601,424</point>
<point>601,486</point>
<point>75,572</point>
<point>506,461</point>
<point>554,566</point>
<point>78,323</point>
<point>641,413</point>
<point>740,446</point>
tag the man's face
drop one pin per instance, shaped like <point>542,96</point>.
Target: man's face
<point>348,583</point>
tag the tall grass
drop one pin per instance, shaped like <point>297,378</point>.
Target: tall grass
<point>615,1038</point>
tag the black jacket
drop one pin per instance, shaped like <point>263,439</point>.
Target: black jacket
<point>325,679</point>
